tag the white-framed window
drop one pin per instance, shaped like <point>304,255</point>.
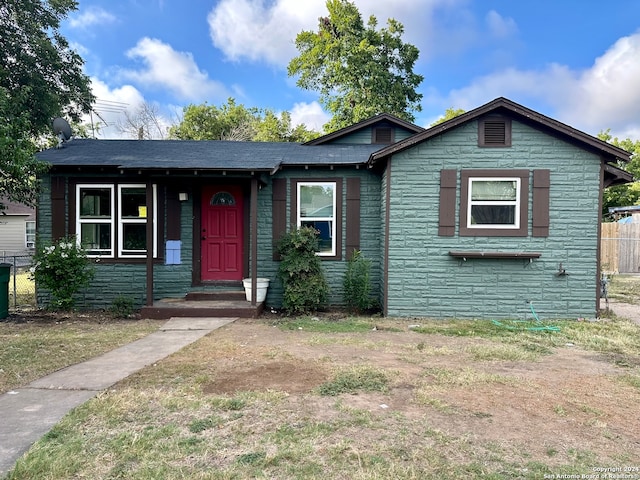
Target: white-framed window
<point>95,219</point>
<point>111,222</point>
<point>316,208</point>
<point>494,202</point>
<point>30,234</point>
<point>132,221</point>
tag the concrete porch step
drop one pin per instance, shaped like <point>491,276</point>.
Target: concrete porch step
<point>181,307</point>
<point>216,295</point>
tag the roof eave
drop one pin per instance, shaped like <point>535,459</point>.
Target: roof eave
<point>363,124</point>
<point>616,176</point>
<point>501,103</point>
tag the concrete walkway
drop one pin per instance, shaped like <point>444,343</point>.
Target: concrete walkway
<point>28,413</point>
<point>625,310</point>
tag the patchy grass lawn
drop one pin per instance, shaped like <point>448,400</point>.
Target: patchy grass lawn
<point>38,343</point>
<point>625,288</point>
<point>363,399</point>
<point>352,398</point>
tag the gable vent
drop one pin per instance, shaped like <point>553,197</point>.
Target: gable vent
<point>495,132</point>
<point>383,135</point>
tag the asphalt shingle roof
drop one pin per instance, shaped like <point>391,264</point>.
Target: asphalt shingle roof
<point>190,154</point>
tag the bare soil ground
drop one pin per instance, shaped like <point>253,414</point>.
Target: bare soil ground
<point>570,400</point>
<point>471,404</point>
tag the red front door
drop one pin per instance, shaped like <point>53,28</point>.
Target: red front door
<point>222,233</point>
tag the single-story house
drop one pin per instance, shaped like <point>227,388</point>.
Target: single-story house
<point>17,229</point>
<point>481,216</point>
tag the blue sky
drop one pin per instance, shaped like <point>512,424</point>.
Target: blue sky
<point>577,61</point>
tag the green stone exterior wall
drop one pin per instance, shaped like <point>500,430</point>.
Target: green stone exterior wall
<point>424,280</point>
<point>113,280</point>
<point>334,270</point>
<point>129,279</point>
<point>363,136</point>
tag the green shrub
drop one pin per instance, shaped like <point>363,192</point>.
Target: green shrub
<point>305,287</point>
<point>64,269</point>
<point>357,283</point>
<point>122,307</point>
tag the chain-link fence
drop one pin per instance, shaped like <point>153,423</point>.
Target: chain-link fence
<point>22,290</point>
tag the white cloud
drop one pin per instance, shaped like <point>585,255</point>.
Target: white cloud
<point>114,104</point>
<point>309,114</point>
<point>606,95</point>
<point>110,107</point>
<point>254,30</point>
<point>80,48</point>
<point>262,30</point>
<point>499,26</point>
<point>548,84</point>
<point>91,17</point>
<point>175,71</point>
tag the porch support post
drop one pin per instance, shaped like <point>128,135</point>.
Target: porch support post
<point>599,246</point>
<point>150,228</point>
<point>254,240</point>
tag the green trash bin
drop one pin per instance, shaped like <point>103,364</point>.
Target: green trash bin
<point>5,272</point>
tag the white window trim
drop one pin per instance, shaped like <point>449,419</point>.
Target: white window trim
<point>80,221</point>
<point>116,219</point>
<point>122,253</point>
<point>332,219</point>
<point>515,203</point>
<point>30,244</point>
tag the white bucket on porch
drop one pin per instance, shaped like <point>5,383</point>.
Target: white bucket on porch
<point>261,288</point>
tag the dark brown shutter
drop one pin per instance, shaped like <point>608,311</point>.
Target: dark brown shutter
<point>353,216</point>
<point>447,219</point>
<point>174,216</point>
<point>541,185</point>
<point>279,212</point>
<point>58,220</point>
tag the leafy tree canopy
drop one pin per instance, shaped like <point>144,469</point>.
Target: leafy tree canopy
<point>359,70</point>
<point>18,167</point>
<point>629,194</point>
<point>40,72</point>
<point>234,121</point>
<point>448,115</point>
<point>40,78</point>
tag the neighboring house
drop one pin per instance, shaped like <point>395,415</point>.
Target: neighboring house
<point>477,217</point>
<point>17,229</point>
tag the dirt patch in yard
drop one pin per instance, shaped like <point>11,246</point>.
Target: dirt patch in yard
<point>550,408</point>
<point>285,376</point>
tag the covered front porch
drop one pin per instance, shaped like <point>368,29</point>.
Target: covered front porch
<point>223,245</point>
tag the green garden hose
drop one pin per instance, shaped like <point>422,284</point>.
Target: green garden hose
<point>539,326</point>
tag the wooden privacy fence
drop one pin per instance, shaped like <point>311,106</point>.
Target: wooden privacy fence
<point>620,247</point>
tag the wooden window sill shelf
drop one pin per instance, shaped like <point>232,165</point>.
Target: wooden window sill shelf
<point>465,254</point>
